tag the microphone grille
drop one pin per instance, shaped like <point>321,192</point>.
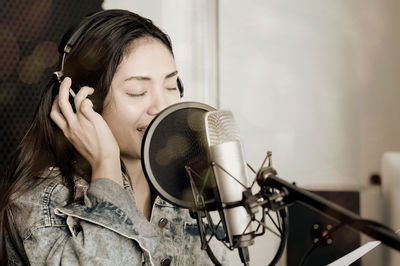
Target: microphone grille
<point>221,127</point>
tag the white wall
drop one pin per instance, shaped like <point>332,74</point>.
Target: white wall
<point>316,82</point>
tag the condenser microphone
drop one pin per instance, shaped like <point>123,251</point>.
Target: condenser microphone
<point>192,157</point>
<point>228,163</point>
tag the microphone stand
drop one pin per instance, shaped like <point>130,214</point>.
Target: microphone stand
<point>250,202</point>
<point>276,195</point>
<point>279,194</point>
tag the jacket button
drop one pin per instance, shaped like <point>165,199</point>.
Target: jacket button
<point>166,262</point>
<point>162,223</point>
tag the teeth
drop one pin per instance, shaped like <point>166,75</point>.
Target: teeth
<point>142,128</point>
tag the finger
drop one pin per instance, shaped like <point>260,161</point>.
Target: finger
<point>56,116</point>
<point>63,102</point>
<point>86,109</point>
<point>81,95</point>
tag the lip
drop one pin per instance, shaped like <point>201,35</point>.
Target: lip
<point>141,129</point>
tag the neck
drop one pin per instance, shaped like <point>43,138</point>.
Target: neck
<point>135,172</point>
<point>140,187</point>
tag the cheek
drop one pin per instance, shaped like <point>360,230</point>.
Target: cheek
<point>122,117</point>
<point>128,117</point>
<point>174,99</point>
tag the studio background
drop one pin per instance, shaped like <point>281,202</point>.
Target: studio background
<point>316,82</point>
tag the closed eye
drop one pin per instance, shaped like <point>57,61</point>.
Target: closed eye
<point>137,94</point>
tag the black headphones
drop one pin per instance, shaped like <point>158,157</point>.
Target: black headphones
<point>76,35</point>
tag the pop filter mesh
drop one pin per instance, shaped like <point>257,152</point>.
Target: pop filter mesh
<point>176,138</point>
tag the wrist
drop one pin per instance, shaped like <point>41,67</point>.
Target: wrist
<point>108,168</point>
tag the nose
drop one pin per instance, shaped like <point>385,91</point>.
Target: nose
<point>158,103</point>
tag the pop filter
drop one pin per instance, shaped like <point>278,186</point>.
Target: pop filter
<point>175,139</point>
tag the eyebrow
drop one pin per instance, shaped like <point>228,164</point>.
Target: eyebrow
<point>170,75</point>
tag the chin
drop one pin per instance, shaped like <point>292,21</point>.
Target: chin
<point>131,156</point>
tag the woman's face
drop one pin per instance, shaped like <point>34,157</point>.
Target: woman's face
<point>144,84</point>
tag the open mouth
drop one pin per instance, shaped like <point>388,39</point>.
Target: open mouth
<point>142,129</point>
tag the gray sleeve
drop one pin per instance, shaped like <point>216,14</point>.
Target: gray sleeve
<point>106,230</point>
<point>94,245</point>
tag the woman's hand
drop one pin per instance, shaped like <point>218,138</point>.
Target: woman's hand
<point>88,132</point>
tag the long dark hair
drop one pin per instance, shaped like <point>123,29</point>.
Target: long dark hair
<point>105,38</point>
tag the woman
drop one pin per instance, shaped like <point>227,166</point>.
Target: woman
<point>76,192</point>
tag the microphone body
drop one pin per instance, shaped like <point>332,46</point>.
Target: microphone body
<point>227,159</point>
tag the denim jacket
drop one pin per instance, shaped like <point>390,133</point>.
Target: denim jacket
<point>105,228</point>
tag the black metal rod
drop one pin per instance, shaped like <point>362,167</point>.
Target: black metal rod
<point>372,229</point>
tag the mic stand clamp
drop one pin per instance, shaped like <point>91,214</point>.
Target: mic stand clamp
<point>275,199</point>
<point>250,202</point>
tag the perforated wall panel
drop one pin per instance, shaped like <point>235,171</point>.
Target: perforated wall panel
<point>30,32</point>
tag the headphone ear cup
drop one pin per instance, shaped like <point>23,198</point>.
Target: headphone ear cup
<point>180,86</point>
